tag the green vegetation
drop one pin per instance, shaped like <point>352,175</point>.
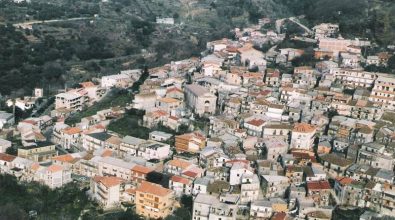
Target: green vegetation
<point>116,97</point>
<point>185,211</point>
<point>68,202</point>
<point>130,124</point>
<point>18,199</point>
<point>352,214</point>
<point>109,36</point>
<point>357,18</point>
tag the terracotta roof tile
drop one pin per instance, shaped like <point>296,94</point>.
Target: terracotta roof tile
<point>256,122</point>
<point>344,180</point>
<point>64,158</point>
<point>108,181</point>
<point>179,163</point>
<point>7,157</point>
<point>318,185</point>
<point>152,188</point>
<point>180,179</point>
<point>72,130</point>
<point>142,169</point>
<point>303,128</point>
<point>55,168</point>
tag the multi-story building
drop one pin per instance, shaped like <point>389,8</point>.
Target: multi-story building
<point>75,100</point>
<point>38,151</point>
<point>110,166</point>
<point>275,147</point>
<point>264,209</point>
<point>200,99</point>
<point>168,104</point>
<point>94,141</point>
<point>153,201</point>
<point>325,30</point>
<point>206,207</point>
<point>274,185</point>
<point>180,185</point>
<point>254,127</point>
<point>139,173</point>
<point>53,176</point>
<point>383,92</point>
<point>106,190</point>
<point>375,155</point>
<point>119,81</point>
<point>354,78</point>
<point>319,191</point>
<point>250,188</point>
<point>191,142</point>
<point>303,136</point>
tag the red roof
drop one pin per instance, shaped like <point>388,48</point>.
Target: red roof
<point>108,181</point>
<point>190,174</point>
<point>344,180</point>
<point>7,157</point>
<point>180,179</point>
<point>318,185</point>
<point>278,216</point>
<point>174,89</point>
<point>256,122</point>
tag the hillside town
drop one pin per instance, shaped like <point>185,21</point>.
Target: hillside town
<point>232,129</point>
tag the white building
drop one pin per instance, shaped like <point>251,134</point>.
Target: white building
<point>275,146</point>
<point>250,188</point>
<point>207,207</point>
<point>106,190</point>
<point>122,80</point>
<point>383,92</point>
<point>325,30</point>
<point>303,136</point>
<point>200,185</point>
<point>237,171</point>
<point>75,100</point>
<point>4,144</point>
<point>53,176</point>
<point>181,185</point>
<point>110,166</point>
<point>274,185</point>
<point>6,119</point>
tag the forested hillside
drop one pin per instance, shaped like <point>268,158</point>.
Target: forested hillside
<point>90,38</point>
<point>109,36</point>
<point>373,19</point>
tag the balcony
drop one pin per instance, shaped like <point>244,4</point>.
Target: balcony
<point>102,195</point>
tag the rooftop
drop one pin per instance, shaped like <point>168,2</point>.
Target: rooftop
<point>152,188</point>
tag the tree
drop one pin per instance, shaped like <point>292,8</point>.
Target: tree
<point>158,178</point>
<point>12,211</point>
<point>12,151</point>
<point>391,62</point>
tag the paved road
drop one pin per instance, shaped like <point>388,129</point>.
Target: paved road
<point>29,24</point>
<point>296,21</point>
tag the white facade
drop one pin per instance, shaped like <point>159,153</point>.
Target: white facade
<point>110,166</point>
<point>74,100</point>
<point>237,171</point>
<point>4,144</point>
<point>118,80</point>
<point>6,119</point>
<point>250,188</point>
<point>303,136</point>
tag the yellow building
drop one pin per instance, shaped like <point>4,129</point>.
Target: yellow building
<point>191,142</point>
<point>38,152</point>
<point>153,201</point>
